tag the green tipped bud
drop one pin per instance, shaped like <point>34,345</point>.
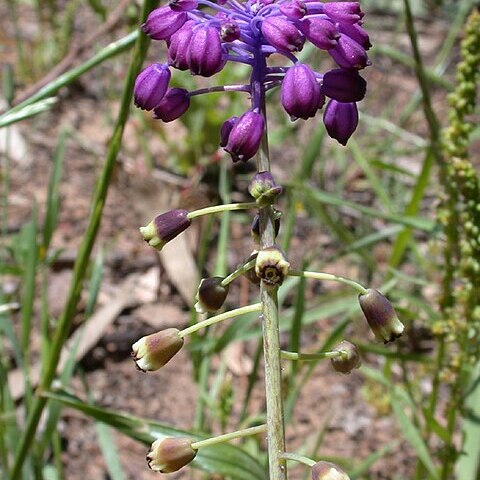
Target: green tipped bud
<point>381,316</point>
<point>349,360</point>
<point>154,351</point>
<point>328,471</point>
<point>271,266</point>
<point>264,189</point>
<point>251,274</point>
<point>168,455</point>
<point>165,227</point>
<point>211,295</point>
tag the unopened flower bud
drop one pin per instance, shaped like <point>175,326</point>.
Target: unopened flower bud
<point>229,31</point>
<point>349,54</point>
<point>226,129</point>
<point>154,351</point>
<point>173,105</point>
<point>205,52</point>
<point>168,455</point>
<point>357,32</point>
<point>211,295</point>
<point>182,5</point>
<point>349,360</point>
<point>255,229</point>
<point>282,34</point>
<point>343,12</point>
<point>381,316</point>
<point>264,189</point>
<point>328,471</point>
<point>344,85</point>
<point>319,31</point>
<point>271,266</point>
<point>294,9</point>
<point>165,227</point>
<point>178,46</point>
<point>163,22</point>
<point>245,136</point>
<point>301,95</point>
<point>150,86</point>
<point>341,120</point>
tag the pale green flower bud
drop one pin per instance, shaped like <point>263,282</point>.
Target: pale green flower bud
<point>168,455</point>
<point>328,471</point>
<point>154,351</point>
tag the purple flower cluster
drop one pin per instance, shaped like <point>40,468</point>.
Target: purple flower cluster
<point>202,36</point>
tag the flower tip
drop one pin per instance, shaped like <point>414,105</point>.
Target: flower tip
<point>169,455</point>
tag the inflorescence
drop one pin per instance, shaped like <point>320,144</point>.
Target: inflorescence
<point>203,36</point>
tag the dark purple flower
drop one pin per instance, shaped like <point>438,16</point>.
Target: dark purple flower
<point>226,129</point>
<point>163,22</point>
<point>150,86</point>
<point>301,96</point>
<point>344,85</point>
<point>294,9</point>
<point>245,136</point>
<point>343,12</point>
<point>357,33</point>
<point>178,46</point>
<point>341,120</point>
<point>349,54</point>
<point>322,33</point>
<point>173,105</point>
<point>229,31</point>
<point>183,5</point>
<point>282,34</point>
<point>165,227</point>
<point>205,53</point>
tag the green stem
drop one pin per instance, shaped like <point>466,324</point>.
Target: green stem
<point>329,277</point>
<point>229,436</point>
<point>271,331</point>
<point>65,321</point>
<point>221,208</point>
<point>311,356</point>
<point>256,307</point>
<point>238,272</point>
<point>295,457</point>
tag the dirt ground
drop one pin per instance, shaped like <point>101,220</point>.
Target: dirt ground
<point>355,426</point>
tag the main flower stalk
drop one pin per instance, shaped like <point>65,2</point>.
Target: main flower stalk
<point>270,321</point>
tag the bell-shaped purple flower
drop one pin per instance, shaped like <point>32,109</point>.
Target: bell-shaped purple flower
<point>183,5</point>
<point>282,34</point>
<point>245,136</point>
<point>343,12</point>
<point>205,53</point>
<point>349,54</point>
<point>321,32</point>
<point>301,96</point>
<point>341,120</point>
<point>229,30</point>
<point>150,86</point>
<point>356,32</point>
<point>294,9</point>
<point>226,129</point>
<point>178,46</point>
<point>173,105</point>
<point>163,22</point>
<point>344,85</point>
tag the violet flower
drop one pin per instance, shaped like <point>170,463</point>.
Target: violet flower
<point>203,36</point>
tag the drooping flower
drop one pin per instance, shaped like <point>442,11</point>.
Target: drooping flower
<point>341,120</point>
<point>163,22</point>
<point>150,86</point>
<point>301,95</point>
<point>168,455</point>
<point>165,227</point>
<point>173,105</point>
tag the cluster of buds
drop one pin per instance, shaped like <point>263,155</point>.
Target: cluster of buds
<point>203,36</point>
